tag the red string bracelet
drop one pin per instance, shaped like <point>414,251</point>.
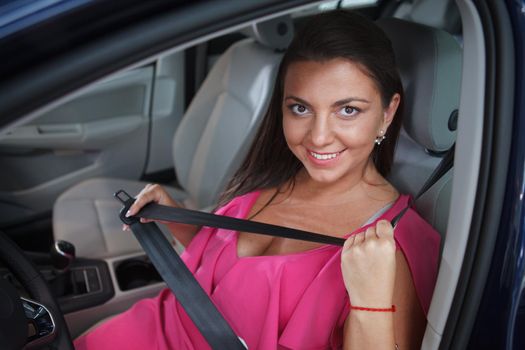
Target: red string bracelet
<point>374,309</point>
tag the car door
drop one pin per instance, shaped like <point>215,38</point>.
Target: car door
<point>103,131</point>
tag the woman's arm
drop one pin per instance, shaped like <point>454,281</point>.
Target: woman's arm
<point>376,276</point>
<point>378,330</point>
<point>157,194</point>
<point>409,319</point>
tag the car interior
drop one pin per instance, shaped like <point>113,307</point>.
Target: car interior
<point>186,118</point>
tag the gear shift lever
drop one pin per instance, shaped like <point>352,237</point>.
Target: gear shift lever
<point>62,255</point>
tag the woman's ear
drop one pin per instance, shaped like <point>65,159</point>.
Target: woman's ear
<point>390,111</point>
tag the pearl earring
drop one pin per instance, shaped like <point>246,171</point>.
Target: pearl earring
<point>380,138</point>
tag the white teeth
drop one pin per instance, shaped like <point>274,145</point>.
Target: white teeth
<point>323,156</point>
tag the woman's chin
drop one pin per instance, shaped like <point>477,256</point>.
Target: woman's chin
<point>324,177</point>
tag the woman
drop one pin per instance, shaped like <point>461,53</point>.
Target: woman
<point>318,163</point>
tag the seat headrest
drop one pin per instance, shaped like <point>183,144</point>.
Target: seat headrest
<point>276,33</point>
<point>429,61</point>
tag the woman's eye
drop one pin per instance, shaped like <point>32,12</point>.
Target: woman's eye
<point>298,109</point>
<point>348,111</point>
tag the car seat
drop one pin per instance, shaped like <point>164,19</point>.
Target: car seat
<point>208,146</point>
<point>429,61</point>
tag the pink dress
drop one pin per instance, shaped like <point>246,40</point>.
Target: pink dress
<point>292,301</point>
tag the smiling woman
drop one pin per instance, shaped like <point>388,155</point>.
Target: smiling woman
<point>333,103</point>
<point>332,127</point>
<point>311,67</point>
<point>81,68</point>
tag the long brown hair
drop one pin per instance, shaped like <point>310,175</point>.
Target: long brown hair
<point>337,34</point>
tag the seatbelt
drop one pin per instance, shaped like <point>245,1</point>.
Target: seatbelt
<point>194,217</point>
<point>181,281</point>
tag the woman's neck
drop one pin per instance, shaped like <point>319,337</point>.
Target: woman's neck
<point>352,186</point>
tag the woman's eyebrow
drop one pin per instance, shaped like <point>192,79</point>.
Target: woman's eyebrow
<point>335,104</point>
<point>349,100</point>
<point>300,100</point>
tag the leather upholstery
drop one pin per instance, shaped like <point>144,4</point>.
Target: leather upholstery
<point>209,144</point>
<point>429,60</point>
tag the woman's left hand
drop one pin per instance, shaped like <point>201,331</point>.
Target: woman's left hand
<point>368,263</point>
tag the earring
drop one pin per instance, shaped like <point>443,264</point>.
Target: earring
<point>380,138</point>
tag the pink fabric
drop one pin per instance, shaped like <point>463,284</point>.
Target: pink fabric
<point>293,301</point>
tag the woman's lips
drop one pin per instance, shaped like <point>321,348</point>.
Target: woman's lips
<point>323,158</point>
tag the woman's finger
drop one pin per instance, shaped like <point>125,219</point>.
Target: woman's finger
<point>384,229</point>
<point>151,193</point>
<point>144,197</point>
<point>348,242</point>
<point>359,238</point>
<point>370,232</point>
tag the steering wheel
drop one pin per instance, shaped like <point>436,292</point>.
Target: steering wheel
<point>42,313</point>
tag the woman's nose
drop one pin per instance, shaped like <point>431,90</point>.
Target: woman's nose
<point>321,131</point>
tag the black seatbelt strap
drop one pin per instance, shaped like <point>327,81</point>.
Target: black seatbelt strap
<point>193,217</point>
<point>179,278</point>
<point>181,281</point>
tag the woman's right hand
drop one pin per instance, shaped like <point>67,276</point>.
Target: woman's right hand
<point>157,194</point>
<point>151,193</point>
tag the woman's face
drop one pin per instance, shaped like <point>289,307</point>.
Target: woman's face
<point>332,114</point>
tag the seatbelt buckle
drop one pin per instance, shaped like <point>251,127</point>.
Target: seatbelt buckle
<point>127,201</point>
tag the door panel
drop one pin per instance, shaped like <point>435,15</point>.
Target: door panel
<point>103,132</point>
<point>71,136</point>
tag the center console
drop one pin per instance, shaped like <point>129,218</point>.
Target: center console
<point>89,290</point>
<point>132,277</point>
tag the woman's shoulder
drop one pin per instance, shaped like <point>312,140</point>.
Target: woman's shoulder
<point>412,228</point>
<point>420,244</point>
<point>405,201</point>
<point>411,215</point>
